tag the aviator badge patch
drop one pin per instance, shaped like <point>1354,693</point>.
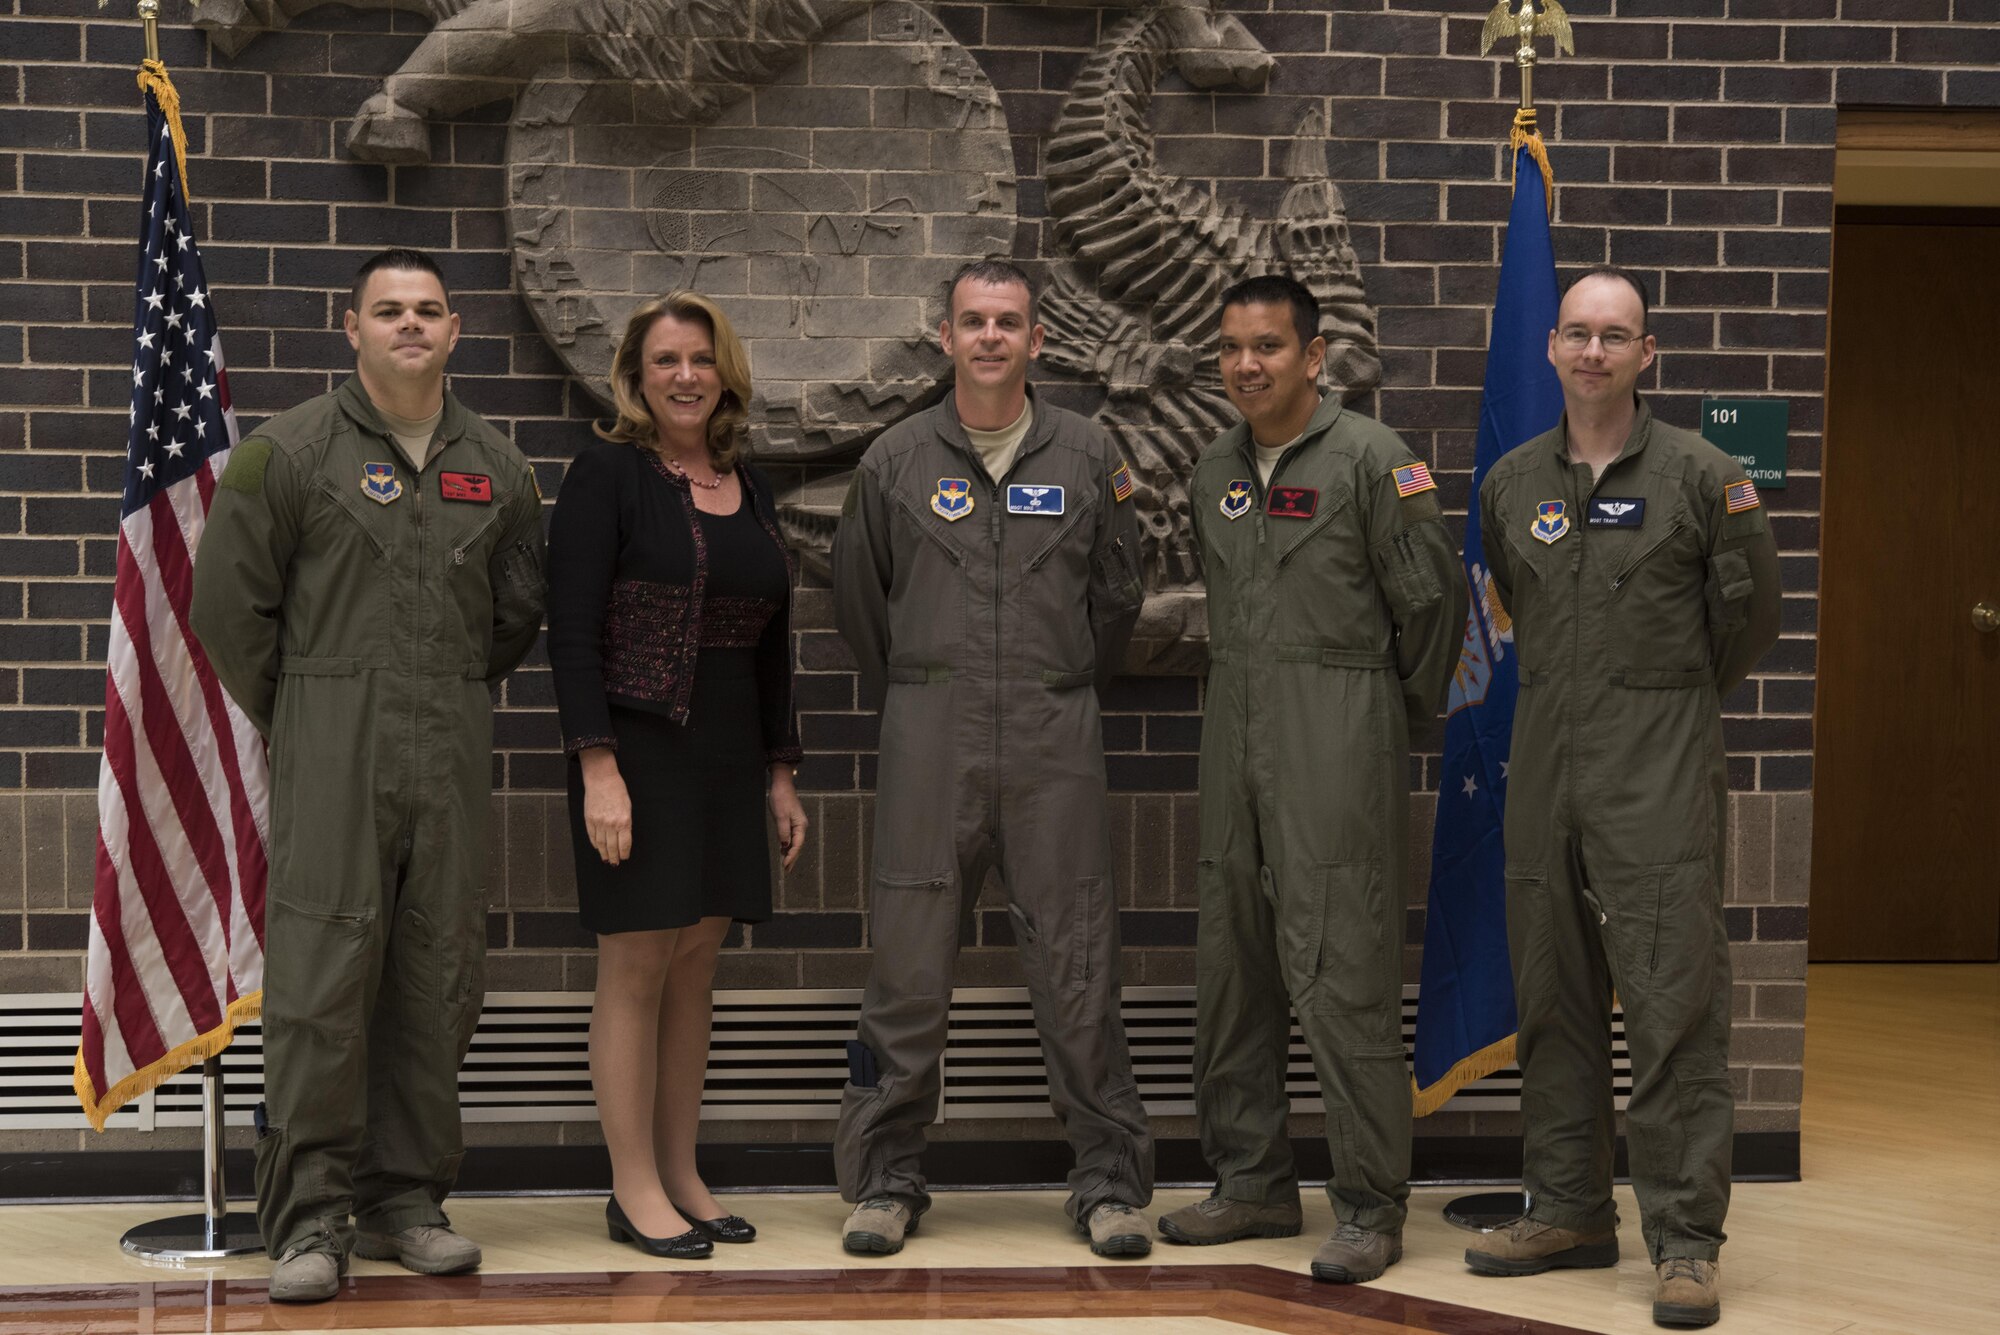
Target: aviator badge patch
<point>1292,502</point>
<point>1615,512</point>
<point>379,484</point>
<point>1034,499</point>
<point>953,501</point>
<point>1236,498</point>
<point>1550,521</point>
<point>474,487</point>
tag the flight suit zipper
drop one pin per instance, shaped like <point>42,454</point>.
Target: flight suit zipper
<point>923,527</point>
<point>1048,548</point>
<point>1639,560</point>
<point>458,552</point>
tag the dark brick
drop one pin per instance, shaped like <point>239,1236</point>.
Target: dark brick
<point>272,136</point>
<point>334,182</point>
<point>1727,41</point>
<point>40,41</point>
<point>1717,287</point>
<point>1811,125</point>
<point>1451,161</point>
<point>1803,289</point>
<point>1959,45</point>
<point>1666,83</point>
<point>58,931</point>
<point>1889,87</point>
<point>1728,124</point>
<point>1746,329</point>
<point>1739,922</point>
<point>1777,249</point>
<point>544,931</point>
<point>1776,83</point>
<point>1785,166</point>
<point>372,226</point>
<point>1838,44</point>
<point>1778,774</point>
<point>1973,88</point>
<point>1418,77</point>
<point>1613,121</point>
<point>38,128</point>
<point>1785,9</point>
<point>1143,927</point>
<point>69,600</point>
<point>272,222</point>
<point>1440,242</point>
<point>55,515</point>
<point>1150,774</point>
<point>77,85</point>
<point>1382,118</point>
<point>1634,162</point>
<point>809,931</point>
<point>1650,247</point>
<point>1736,208</point>
<point>49,770</point>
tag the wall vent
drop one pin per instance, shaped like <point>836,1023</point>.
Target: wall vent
<point>778,1054</point>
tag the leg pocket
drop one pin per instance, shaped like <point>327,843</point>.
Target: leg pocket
<point>1667,926</point>
<point>318,973</point>
<point>1358,953</point>
<point>1531,933</point>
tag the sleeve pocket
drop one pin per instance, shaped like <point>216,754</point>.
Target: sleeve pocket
<point>1411,585</point>
<point>1729,588</point>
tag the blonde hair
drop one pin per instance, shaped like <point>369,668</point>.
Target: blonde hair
<point>728,424</point>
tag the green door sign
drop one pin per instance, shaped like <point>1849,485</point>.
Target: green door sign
<point>1752,432</point>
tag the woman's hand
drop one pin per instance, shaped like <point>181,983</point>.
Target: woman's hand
<point>607,807</point>
<point>790,816</point>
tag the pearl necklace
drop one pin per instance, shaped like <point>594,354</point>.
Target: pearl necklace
<point>674,467</point>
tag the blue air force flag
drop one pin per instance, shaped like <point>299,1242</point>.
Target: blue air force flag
<point>1465,1012</point>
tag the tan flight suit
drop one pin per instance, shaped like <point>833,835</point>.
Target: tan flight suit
<point>1336,608</point>
<point>981,615</point>
<point>361,614</point>
<point>1638,602</point>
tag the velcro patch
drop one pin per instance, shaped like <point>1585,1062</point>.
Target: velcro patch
<point>1740,496</point>
<point>1121,482</point>
<point>474,487</point>
<point>1615,512</point>
<point>1413,478</point>
<point>1034,499</point>
<point>1292,502</point>
<point>247,463</point>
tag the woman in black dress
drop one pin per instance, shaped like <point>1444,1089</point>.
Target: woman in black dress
<point>669,633</point>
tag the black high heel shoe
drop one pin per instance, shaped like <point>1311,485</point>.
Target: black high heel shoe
<point>689,1246</point>
<point>729,1228</point>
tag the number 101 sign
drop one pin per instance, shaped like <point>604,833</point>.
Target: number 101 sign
<point>1751,431</point>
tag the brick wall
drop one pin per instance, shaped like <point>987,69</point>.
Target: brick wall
<point>1691,139</point>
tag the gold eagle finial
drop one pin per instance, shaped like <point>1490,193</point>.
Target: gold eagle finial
<point>1526,24</point>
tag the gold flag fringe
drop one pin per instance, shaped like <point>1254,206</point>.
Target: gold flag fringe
<point>1477,1066</point>
<point>153,78</point>
<point>1527,136</point>
<point>241,1011</point>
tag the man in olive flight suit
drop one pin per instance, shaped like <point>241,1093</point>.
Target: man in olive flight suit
<point>986,578</point>
<point>1335,609</point>
<point>371,568</point>
<point>1638,567</point>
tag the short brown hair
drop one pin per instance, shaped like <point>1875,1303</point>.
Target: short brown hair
<point>396,257</point>
<point>997,273</point>
<point>728,425</point>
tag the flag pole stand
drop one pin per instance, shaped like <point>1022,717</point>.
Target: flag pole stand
<point>215,1233</point>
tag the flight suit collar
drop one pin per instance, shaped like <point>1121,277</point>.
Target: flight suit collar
<point>1245,444</point>
<point>952,431</point>
<point>1635,439</point>
<point>361,410</point>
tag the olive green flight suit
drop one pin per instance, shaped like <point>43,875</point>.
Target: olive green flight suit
<point>360,614</point>
<point>1637,603</point>
<point>1336,607</point>
<point>981,615</point>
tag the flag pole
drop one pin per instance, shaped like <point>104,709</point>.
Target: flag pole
<point>1485,1212</point>
<point>215,1232</point>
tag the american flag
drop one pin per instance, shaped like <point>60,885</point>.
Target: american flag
<point>177,916</point>
<point>1413,478</point>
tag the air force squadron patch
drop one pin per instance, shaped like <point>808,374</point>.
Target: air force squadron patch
<point>1550,521</point>
<point>379,484</point>
<point>1236,498</point>
<point>1034,499</point>
<point>953,500</point>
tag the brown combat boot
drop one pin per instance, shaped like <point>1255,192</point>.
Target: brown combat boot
<point>1219,1219</point>
<point>1117,1229</point>
<point>1686,1293</point>
<point>878,1226</point>
<point>1355,1255</point>
<point>1528,1247</point>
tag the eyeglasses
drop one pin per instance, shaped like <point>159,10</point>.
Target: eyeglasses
<point>1614,340</point>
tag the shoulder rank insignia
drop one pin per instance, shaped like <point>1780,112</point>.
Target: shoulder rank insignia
<point>379,484</point>
<point>1740,496</point>
<point>1550,521</point>
<point>1236,499</point>
<point>1413,478</point>
<point>953,501</point>
<point>1121,482</point>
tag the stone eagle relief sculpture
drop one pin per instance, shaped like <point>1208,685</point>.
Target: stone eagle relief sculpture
<point>819,167</point>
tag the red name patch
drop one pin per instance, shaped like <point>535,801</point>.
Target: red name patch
<point>1293,502</point>
<point>474,487</point>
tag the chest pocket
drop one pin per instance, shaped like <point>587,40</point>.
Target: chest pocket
<point>930,584</point>
<point>1539,609</point>
<point>346,525</point>
<point>1657,607</point>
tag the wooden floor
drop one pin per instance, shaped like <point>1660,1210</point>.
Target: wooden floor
<point>1893,1230</point>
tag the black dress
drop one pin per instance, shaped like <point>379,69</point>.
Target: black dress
<point>668,633</point>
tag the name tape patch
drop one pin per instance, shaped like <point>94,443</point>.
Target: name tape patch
<point>1615,512</point>
<point>1033,499</point>
<point>1293,502</point>
<point>474,487</point>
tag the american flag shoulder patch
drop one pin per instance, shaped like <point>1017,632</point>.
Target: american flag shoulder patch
<point>1413,478</point>
<point>1121,482</point>
<point>1740,496</point>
